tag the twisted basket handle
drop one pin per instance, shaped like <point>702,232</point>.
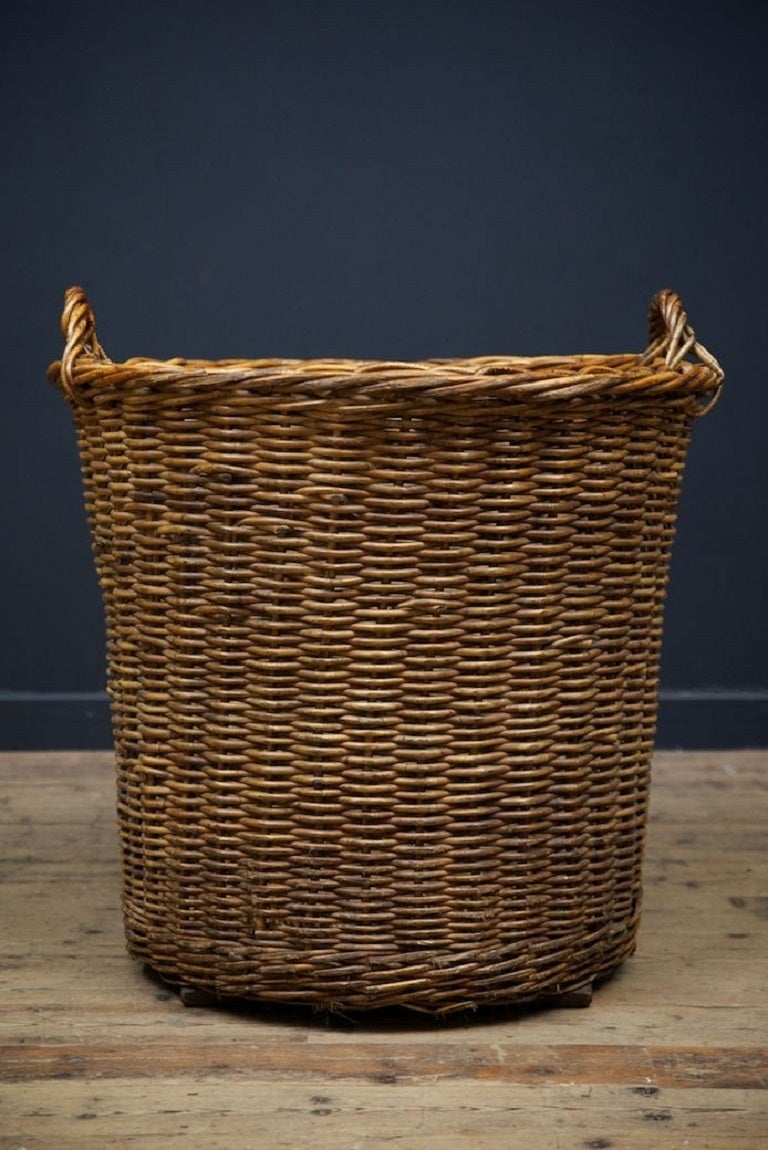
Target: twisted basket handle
<point>78,327</point>
<point>672,337</point>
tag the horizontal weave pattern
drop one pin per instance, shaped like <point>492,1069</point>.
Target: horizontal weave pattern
<point>383,646</point>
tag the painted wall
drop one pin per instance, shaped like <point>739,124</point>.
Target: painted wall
<point>383,180</point>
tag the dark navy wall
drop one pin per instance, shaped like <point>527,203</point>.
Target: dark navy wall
<point>383,180</point>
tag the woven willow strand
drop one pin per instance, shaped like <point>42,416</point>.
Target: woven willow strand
<point>383,643</point>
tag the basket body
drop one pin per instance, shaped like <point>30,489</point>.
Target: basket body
<point>383,672</point>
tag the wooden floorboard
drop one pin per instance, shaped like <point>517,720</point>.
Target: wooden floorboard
<point>672,1054</point>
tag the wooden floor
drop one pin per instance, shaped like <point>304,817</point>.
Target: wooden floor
<point>672,1053</point>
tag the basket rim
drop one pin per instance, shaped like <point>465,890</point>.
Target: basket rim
<point>674,363</point>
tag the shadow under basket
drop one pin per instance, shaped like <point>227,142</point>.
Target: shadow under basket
<point>383,643</point>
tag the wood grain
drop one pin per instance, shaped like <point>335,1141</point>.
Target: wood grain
<point>671,1054</point>
<point>681,1068</point>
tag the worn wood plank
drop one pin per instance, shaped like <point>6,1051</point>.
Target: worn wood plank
<point>349,1116</point>
<point>146,1019</point>
<point>467,1060</point>
<point>55,1025</point>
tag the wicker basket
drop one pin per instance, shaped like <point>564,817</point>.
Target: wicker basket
<point>383,643</point>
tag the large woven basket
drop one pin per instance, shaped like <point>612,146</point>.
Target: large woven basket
<point>383,643</point>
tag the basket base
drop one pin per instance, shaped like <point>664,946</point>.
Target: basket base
<point>437,985</point>
<point>572,999</point>
<point>195,997</point>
